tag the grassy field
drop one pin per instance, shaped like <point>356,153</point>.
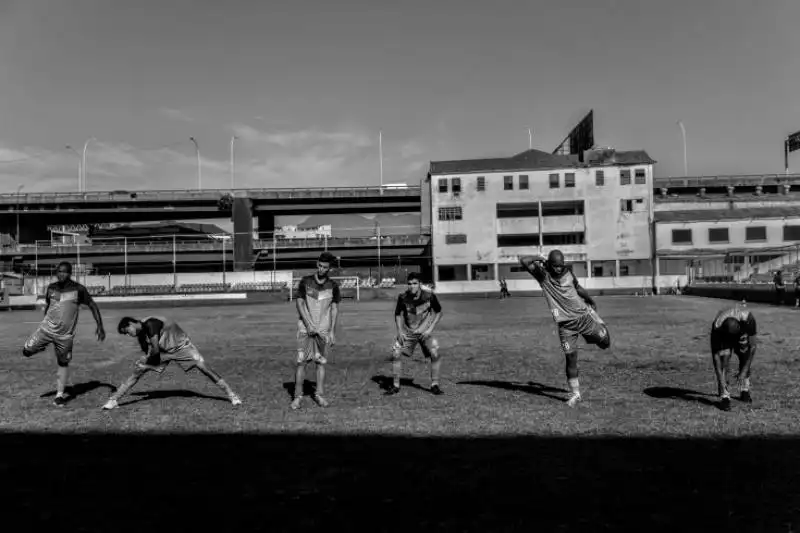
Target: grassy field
<point>499,451</point>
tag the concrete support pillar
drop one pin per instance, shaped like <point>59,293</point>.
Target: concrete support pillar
<point>242,214</point>
<point>588,268</point>
<point>496,271</point>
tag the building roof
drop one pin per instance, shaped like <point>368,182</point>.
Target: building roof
<point>539,160</point>
<point>710,215</point>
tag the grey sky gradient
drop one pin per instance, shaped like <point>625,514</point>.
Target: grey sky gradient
<point>308,84</point>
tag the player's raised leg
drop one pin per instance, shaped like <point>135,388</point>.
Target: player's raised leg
<point>430,348</point>
<point>569,345</point>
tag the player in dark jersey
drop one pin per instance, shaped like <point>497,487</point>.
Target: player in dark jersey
<point>63,300</point>
<point>573,310</point>
<point>163,341</point>
<point>318,298</point>
<point>416,316</point>
<point>734,330</point>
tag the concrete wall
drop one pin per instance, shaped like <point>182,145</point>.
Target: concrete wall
<point>619,284</point>
<point>736,234</point>
<point>610,233</point>
<point>750,293</point>
<point>691,204</point>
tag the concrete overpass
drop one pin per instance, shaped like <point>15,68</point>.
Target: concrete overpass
<point>34,212</point>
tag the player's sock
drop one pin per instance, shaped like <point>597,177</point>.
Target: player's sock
<point>225,387</point>
<point>574,385</point>
<point>745,385</point>
<point>397,371</point>
<point>436,369</point>
<point>61,381</point>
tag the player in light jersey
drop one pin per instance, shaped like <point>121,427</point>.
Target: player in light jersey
<point>163,341</point>
<point>573,310</point>
<point>318,298</point>
<point>63,300</point>
<point>734,330</point>
<point>416,316</point>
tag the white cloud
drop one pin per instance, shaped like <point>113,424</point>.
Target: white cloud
<point>264,159</point>
<point>175,114</point>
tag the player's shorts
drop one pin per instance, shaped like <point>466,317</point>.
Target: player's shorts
<point>187,357</point>
<point>41,339</point>
<point>409,342</point>
<point>589,326</point>
<point>720,342</point>
<point>312,347</point>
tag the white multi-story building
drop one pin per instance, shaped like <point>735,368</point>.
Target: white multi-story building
<point>485,213</point>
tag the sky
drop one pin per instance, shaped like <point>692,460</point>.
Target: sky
<point>307,86</point>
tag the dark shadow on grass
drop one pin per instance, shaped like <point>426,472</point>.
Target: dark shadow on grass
<point>259,482</point>
<point>82,388</point>
<point>144,396</point>
<point>530,387</point>
<point>309,388</point>
<point>681,394</point>
<point>385,382</point>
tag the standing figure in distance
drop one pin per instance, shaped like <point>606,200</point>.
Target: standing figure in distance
<point>573,310</point>
<point>780,288</point>
<point>163,341</point>
<point>318,298</point>
<point>734,330</point>
<point>63,300</point>
<point>416,316</point>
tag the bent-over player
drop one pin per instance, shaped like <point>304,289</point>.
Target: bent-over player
<point>734,330</point>
<point>416,316</point>
<point>573,310</point>
<point>318,298</point>
<point>163,341</point>
<point>63,300</point>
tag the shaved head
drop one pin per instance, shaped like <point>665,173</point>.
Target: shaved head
<point>555,263</point>
<point>732,328</point>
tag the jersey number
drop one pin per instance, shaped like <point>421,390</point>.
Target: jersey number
<point>555,312</point>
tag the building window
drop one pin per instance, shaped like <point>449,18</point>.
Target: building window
<point>626,206</point>
<point>523,182</point>
<point>641,177</point>
<point>562,208</point>
<point>681,236</point>
<point>625,177</point>
<point>599,178</point>
<point>557,239</point>
<point>718,235</point>
<point>450,213</point>
<point>508,183</point>
<point>569,179</point>
<point>791,233</point>
<point>452,272</point>
<point>443,185</point>
<point>456,185</point>
<point>554,181</point>
<point>481,184</point>
<point>455,238</point>
<point>518,210</point>
<point>755,233</point>
<point>527,239</point>
<point>482,272</point>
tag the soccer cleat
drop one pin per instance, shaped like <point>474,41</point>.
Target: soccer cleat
<point>110,404</point>
<point>573,399</point>
<point>437,390</point>
<point>235,400</point>
<point>322,402</point>
<point>392,390</point>
<point>296,403</point>
<point>745,397</point>
<point>725,403</point>
<point>60,401</point>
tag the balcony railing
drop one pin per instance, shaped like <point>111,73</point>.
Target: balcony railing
<point>205,194</point>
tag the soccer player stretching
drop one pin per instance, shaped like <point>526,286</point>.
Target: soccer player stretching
<point>572,309</point>
<point>163,341</point>
<point>318,299</point>
<point>733,330</point>
<point>62,308</point>
<point>416,315</point>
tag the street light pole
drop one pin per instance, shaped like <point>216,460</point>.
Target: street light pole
<point>685,161</point>
<point>80,166</point>
<point>199,167</point>
<point>85,146</point>
<point>17,234</point>
<point>233,168</point>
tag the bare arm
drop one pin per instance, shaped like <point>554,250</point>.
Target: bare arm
<point>534,264</point>
<point>305,314</point>
<point>585,295</point>
<point>334,316</point>
<point>101,332</point>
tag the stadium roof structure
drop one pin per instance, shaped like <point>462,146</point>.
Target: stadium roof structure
<point>712,215</point>
<point>539,160</point>
<point>158,229</point>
